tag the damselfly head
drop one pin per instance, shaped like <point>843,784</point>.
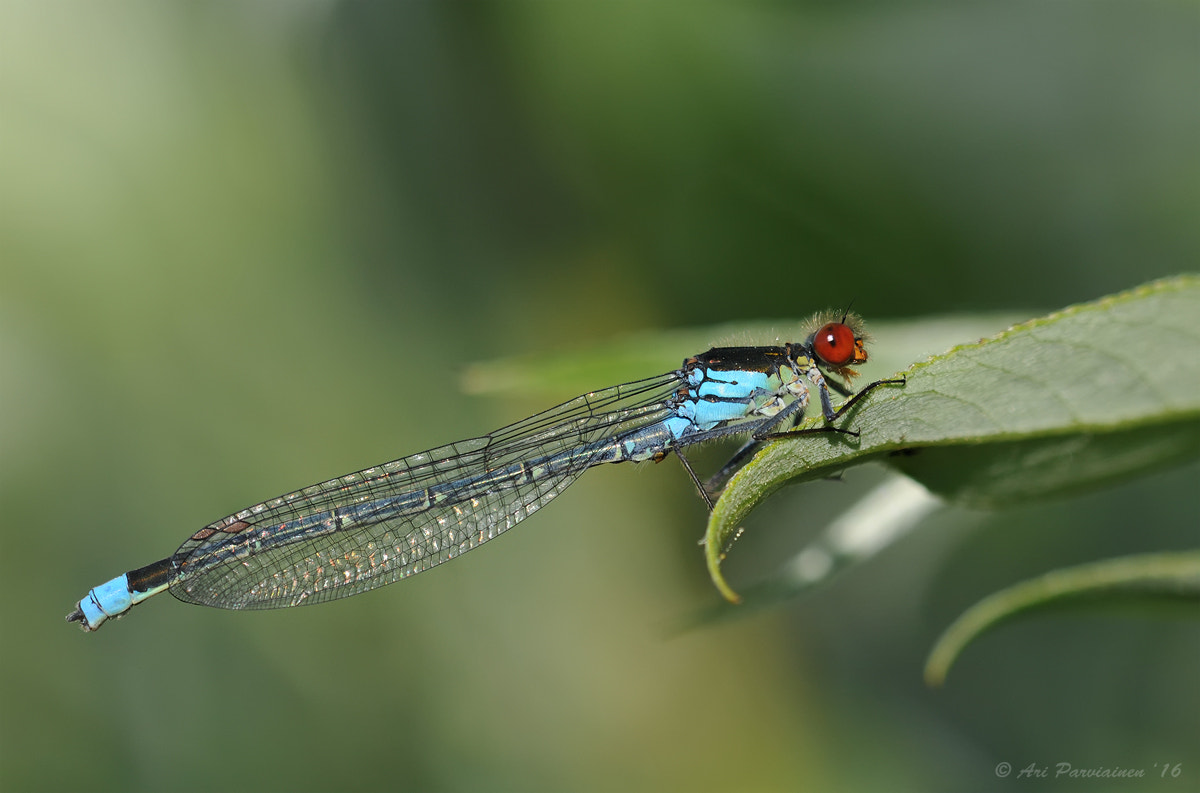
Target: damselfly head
<point>838,342</point>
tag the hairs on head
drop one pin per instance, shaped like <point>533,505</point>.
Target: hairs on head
<point>851,320</point>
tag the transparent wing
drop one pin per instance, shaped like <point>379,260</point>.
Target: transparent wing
<point>376,526</point>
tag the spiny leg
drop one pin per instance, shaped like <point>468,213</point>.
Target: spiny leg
<point>750,448</point>
<point>695,480</point>
<point>717,481</point>
<point>794,412</point>
<point>833,415</point>
<point>868,388</point>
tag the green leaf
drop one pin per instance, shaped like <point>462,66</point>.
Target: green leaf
<point>1133,579</point>
<point>1088,395</point>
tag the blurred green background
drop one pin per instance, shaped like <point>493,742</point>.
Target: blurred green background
<point>249,246</point>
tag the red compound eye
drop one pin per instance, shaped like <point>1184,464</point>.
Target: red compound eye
<point>834,344</point>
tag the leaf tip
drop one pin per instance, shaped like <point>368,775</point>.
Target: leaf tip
<point>714,557</point>
<point>937,666</point>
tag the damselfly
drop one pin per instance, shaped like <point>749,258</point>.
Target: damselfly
<point>376,526</point>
